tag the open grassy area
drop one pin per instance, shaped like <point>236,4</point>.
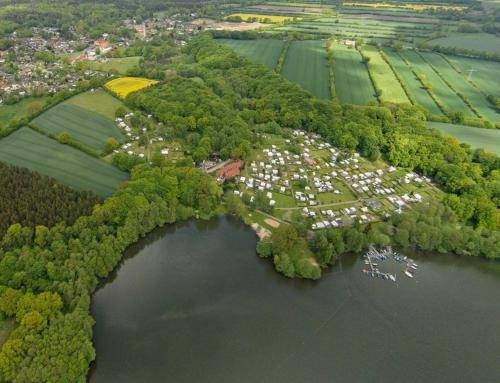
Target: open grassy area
<point>6,327</point>
<point>306,64</point>
<point>123,86</point>
<point>259,51</point>
<point>474,41</point>
<point>87,127</point>
<point>412,83</point>
<point>484,75</point>
<point>119,64</point>
<point>383,77</point>
<point>451,101</point>
<point>97,101</point>
<point>18,110</point>
<point>29,149</point>
<point>352,83</point>
<point>262,18</point>
<point>475,137</point>
<point>460,84</point>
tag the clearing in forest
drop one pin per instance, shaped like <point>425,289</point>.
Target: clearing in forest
<point>412,83</point>
<point>352,82</point>
<point>383,77</point>
<point>29,149</point>
<point>85,126</point>
<point>119,64</point>
<point>306,64</point>
<point>259,51</point>
<point>123,86</point>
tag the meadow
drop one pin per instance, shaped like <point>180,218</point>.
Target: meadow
<point>383,77</point>
<point>29,149</point>
<point>449,99</point>
<point>484,76</point>
<point>119,64</point>
<point>352,83</point>
<point>17,110</point>
<point>460,84</point>
<point>85,126</point>
<point>263,18</point>
<point>306,64</point>
<point>259,51</point>
<point>475,137</point>
<point>474,41</point>
<point>123,86</point>
<point>97,101</point>
<point>412,83</point>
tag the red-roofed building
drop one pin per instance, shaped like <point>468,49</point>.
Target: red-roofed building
<point>230,170</point>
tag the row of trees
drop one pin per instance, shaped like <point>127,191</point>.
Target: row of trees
<point>48,274</point>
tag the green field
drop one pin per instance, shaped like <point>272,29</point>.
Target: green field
<point>475,137</point>
<point>484,75</point>
<point>460,84</point>
<point>29,149</point>
<point>450,100</point>
<point>18,110</point>
<point>85,126</point>
<point>259,51</point>
<point>412,83</point>
<point>97,101</point>
<point>383,77</point>
<point>306,64</point>
<point>352,83</point>
<point>474,41</point>
<point>119,64</point>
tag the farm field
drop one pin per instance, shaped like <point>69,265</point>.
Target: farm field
<point>413,6</point>
<point>18,110</point>
<point>85,126</point>
<point>123,86</point>
<point>263,18</point>
<point>474,41</point>
<point>259,51</point>
<point>484,75</point>
<point>475,137</point>
<point>383,77</point>
<point>412,83</point>
<point>118,64</point>
<point>460,84</point>
<point>29,149</point>
<point>352,83</point>
<point>97,101</point>
<point>306,64</point>
<point>445,95</point>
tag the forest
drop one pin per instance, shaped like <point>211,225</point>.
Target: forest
<point>30,199</point>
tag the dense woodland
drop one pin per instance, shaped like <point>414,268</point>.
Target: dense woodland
<point>31,199</point>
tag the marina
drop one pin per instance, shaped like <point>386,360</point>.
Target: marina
<point>372,268</point>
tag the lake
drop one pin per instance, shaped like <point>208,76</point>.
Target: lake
<point>193,303</point>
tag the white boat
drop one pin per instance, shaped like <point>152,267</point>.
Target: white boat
<point>393,277</point>
<point>408,273</point>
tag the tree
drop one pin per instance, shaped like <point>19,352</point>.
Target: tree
<point>283,239</point>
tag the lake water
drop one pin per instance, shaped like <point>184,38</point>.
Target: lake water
<point>193,303</point>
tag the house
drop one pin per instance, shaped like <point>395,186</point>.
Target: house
<point>230,170</point>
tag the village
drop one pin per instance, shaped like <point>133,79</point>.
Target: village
<point>329,188</point>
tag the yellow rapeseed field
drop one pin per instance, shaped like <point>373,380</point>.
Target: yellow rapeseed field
<point>262,18</point>
<point>414,7</point>
<point>123,86</point>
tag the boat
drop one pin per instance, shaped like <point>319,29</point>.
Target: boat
<point>392,277</point>
<point>408,274</point>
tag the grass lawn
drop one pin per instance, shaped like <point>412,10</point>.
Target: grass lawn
<point>87,127</point>
<point>29,149</point>
<point>384,77</point>
<point>475,137</point>
<point>414,86</point>
<point>97,101</point>
<point>306,64</point>
<point>460,83</point>
<point>484,75</point>
<point>352,82</point>
<point>443,92</point>
<point>474,41</point>
<point>259,51</point>
<point>118,64</point>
